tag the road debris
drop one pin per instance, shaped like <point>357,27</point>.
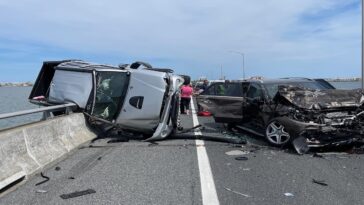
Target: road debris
<point>197,127</point>
<point>77,194</point>
<point>241,158</point>
<point>118,140</point>
<point>236,152</point>
<point>44,181</point>
<point>300,145</point>
<point>235,192</point>
<point>41,191</point>
<point>152,144</point>
<point>317,155</point>
<point>356,150</point>
<point>288,194</point>
<point>320,182</point>
<point>57,168</point>
<point>71,178</point>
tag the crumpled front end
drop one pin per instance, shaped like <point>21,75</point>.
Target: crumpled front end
<point>323,117</point>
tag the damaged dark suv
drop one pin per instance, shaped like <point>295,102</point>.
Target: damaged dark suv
<point>283,110</point>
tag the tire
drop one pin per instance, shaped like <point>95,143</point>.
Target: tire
<point>276,134</point>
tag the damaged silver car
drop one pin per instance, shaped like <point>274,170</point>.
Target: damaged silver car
<point>135,97</point>
<point>284,110</point>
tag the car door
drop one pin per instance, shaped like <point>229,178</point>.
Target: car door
<point>224,101</point>
<point>111,87</point>
<point>203,99</point>
<point>252,105</point>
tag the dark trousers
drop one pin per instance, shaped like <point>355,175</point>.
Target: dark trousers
<point>185,104</point>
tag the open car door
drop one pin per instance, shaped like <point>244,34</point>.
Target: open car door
<point>224,101</point>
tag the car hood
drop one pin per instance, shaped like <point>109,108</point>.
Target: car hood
<point>320,99</point>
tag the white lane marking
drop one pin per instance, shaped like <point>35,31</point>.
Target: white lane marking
<point>209,195</point>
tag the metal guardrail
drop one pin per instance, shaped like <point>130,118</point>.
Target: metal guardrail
<point>47,111</point>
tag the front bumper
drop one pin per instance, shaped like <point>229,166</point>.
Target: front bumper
<point>323,135</point>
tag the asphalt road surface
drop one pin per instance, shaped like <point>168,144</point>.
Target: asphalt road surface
<point>182,170</point>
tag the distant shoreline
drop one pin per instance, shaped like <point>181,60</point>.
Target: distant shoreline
<point>26,84</point>
<point>342,79</point>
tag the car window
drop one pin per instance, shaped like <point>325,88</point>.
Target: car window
<point>110,88</point>
<point>254,91</point>
<point>211,90</point>
<point>234,89</point>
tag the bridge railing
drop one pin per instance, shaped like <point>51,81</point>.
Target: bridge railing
<point>47,111</point>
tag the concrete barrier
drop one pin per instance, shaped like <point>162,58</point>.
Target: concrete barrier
<point>27,149</point>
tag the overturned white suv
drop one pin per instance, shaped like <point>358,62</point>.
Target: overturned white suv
<point>135,97</point>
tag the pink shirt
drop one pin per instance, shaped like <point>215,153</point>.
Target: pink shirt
<point>186,91</point>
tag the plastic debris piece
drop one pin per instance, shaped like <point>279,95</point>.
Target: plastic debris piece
<point>241,158</point>
<point>152,144</point>
<point>317,155</point>
<point>71,178</point>
<point>320,182</point>
<point>77,194</point>
<point>235,192</point>
<point>117,140</point>
<point>41,191</point>
<point>204,114</point>
<point>44,181</point>
<point>288,194</point>
<point>57,168</point>
<point>236,152</point>
<point>300,145</point>
<point>99,158</point>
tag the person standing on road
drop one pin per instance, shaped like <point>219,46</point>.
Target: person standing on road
<point>186,93</point>
<point>205,85</point>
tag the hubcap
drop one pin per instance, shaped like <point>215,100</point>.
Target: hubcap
<point>276,133</point>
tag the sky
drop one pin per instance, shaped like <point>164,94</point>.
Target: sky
<point>280,38</point>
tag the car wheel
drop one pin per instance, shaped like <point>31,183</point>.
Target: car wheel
<point>276,133</point>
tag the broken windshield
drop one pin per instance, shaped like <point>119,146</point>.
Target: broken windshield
<point>110,92</point>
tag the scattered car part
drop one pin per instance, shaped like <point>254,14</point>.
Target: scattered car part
<point>44,181</point>
<point>317,155</point>
<point>41,191</point>
<point>300,145</point>
<point>236,152</point>
<point>204,114</point>
<point>57,168</point>
<point>288,194</point>
<point>188,129</point>
<point>320,182</point>
<point>241,158</point>
<point>235,192</point>
<point>77,194</point>
<point>118,140</point>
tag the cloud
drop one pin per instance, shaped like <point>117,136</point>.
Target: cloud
<point>194,37</point>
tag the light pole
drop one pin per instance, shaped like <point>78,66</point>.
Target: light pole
<point>243,56</point>
<point>362,44</point>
